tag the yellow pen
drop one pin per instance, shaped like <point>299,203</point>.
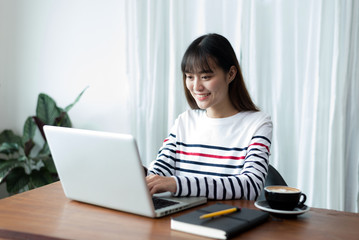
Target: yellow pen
<point>219,213</point>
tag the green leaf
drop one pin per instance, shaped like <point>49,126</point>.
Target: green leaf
<point>47,110</point>
<point>7,166</point>
<point>17,181</point>
<point>35,164</point>
<point>63,120</point>
<point>45,151</point>
<point>40,178</point>
<point>68,108</point>
<point>40,125</point>
<point>29,130</point>
<point>9,137</point>
<point>50,166</point>
<point>45,156</point>
<point>28,135</point>
<point>9,148</point>
<point>28,146</point>
<point>26,163</point>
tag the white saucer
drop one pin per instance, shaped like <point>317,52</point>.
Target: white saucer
<point>263,205</point>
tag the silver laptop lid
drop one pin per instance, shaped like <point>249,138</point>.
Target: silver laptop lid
<point>100,168</point>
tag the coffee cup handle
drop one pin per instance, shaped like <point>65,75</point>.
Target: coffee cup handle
<point>301,203</point>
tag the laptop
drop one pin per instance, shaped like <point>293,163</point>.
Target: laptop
<point>105,169</point>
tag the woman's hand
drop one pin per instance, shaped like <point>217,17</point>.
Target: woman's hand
<point>158,184</point>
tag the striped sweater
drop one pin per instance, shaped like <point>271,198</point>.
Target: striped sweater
<point>220,158</point>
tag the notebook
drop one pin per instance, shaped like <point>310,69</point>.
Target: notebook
<point>105,169</point>
<point>220,227</point>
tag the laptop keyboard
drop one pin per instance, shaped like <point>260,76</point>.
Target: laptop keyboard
<point>161,203</point>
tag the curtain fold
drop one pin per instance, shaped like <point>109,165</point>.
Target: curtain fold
<point>147,55</point>
<point>300,63</point>
<point>351,154</point>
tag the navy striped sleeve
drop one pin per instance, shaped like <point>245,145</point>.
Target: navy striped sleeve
<point>165,163</point>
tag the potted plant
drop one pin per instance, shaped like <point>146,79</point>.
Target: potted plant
<point>24,163</point>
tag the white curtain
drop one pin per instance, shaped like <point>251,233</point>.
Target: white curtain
<point>300,59</point>
<point>301,65</point>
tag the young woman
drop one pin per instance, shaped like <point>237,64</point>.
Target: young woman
<point>219,148</point>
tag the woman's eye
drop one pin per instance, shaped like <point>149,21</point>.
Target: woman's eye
<point>206,77</point>
<point>189,77</point>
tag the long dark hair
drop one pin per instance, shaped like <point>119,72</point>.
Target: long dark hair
<point>218,49</point>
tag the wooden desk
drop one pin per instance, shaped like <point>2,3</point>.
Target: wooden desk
<point>45,213</point>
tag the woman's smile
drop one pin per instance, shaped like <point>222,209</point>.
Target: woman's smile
<point>202,96</point>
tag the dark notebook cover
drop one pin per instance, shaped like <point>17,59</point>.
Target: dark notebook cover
<point>222,227</point>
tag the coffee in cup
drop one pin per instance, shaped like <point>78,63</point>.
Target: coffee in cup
<point>284,197</point>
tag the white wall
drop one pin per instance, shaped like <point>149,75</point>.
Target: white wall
<point>59,48</point>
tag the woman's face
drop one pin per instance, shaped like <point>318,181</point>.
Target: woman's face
<point>210,90</point>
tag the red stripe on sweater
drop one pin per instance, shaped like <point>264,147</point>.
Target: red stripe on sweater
<point>260,144</point>
<point>210,155</point>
